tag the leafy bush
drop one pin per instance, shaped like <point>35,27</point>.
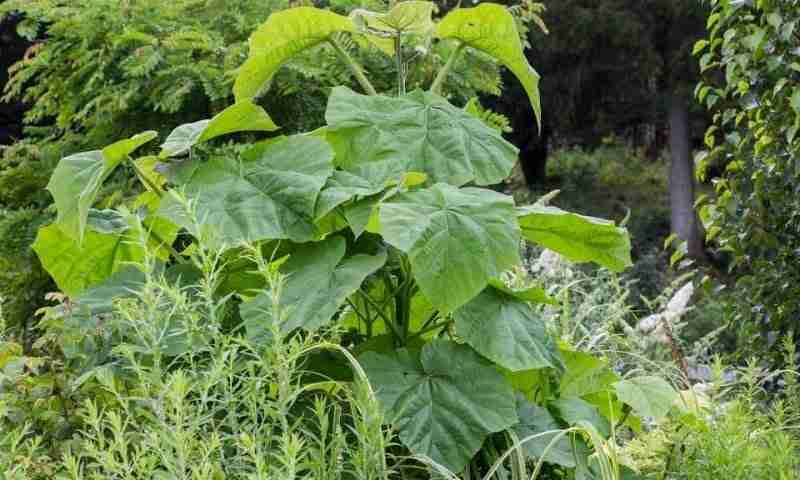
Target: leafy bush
<point>751,60</point>
<point>371,225</point>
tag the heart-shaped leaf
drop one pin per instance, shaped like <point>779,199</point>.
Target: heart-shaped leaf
<point>282,36</point>
<point>78,178</point>
<point>318,280</point>
<point>269,194</point>
<point>243,116</point>
<point>577,237</point>
<point>405,18</point>
<point>456,239</point>
<point>444,401</point>
<point>381,138</point>
<point>492,29</point>
<point>649,396</point>
<point>533,420</point>
<point>575,410</point>
<point>507,331</point>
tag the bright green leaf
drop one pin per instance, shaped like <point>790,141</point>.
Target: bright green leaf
<point>577,237</point>
<point>382,138</point>
<point>444,401</point>
<point>649,396</point>
<point>584,374</point>
<point>492,29</point>
<point>507,331</point>
<point>77,180</point>
<point>456,239</point>
<point>243,116</point>
<point>76,266</point>
<point>405,18</point>
<point>282,36</point>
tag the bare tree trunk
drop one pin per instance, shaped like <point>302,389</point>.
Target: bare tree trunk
<point>683,218</point>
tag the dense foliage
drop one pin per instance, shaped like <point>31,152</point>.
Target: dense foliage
<point>752,62</point>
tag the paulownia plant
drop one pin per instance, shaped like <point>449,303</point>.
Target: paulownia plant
<point>388,228</point>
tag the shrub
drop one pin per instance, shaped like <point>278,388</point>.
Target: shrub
<point>750,61</point>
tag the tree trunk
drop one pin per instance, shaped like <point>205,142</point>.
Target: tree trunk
<point>683,218</point>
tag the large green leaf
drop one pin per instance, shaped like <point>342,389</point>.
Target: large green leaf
<point>269,194</point>
<point>380,138</point>
<point>341,187</point>
<point>76,266</point>
<point>507,331</point>
<point>282,36</point>
<point>319,278</point>
<point>456,239</point>
<point>585,374</point>
<point>577,237</point>
<point>649,396</point>
<point>533,420</point>
<point>492,29</point>
<point>243,116</point>
<point>575,410</point>
<point>444,400</point>
<point>78,178</point>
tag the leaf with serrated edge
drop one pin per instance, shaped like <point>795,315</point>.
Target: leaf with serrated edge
<point>444,401</point>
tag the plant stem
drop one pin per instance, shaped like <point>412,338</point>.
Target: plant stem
<point>398,53</point>
<point>442,76</point>
<point>354,67</point>
<point>380,313</point>
<point>431,328</point>
<point>149,184</point>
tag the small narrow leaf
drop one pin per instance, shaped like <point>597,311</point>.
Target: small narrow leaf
<point>578,238</point>
<point>492,29</point>
<point>282,36</point>
<point>239,117</point>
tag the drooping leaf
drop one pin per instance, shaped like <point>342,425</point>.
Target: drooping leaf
<point>76,266</point>
<point>575,410</point>
<point>381,138</point>
<point>585,374</point>
<point>78,178</point>
<point>444,401</point>
<point>577,237</point>
<point>318,280</point>
<point>456,239</point>
<point>341,187</point>
<point>507,331</point>
<point>649,396</point>
<point>411,17</point>
<point>269,194</point>
<point>282,36</point>
<point>492,29</point>
<point>243,116</point>
<point>532,294</point>
<point>533,420</point>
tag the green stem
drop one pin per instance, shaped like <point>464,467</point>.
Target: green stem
<point>147,183</point>
<point>380,313</point>
<point>178,257</point>
<point>354,67</point>
<point>431,328</point>
<point>401,77</point>
<point>442,76</point>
